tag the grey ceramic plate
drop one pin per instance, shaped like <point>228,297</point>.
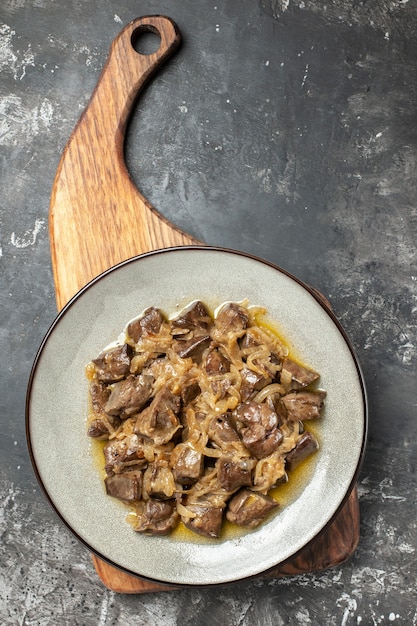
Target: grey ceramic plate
<point>57,409</point>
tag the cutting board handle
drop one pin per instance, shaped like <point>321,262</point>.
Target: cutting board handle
<point>93,198</point>
<point>126,72</point>
<point>99,218</point>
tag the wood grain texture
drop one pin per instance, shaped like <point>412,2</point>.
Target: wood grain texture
<point>97,215</point>
<point>332,547</point>
<point>98,218</point>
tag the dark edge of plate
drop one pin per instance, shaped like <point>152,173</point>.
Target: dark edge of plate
<point>314,293</point>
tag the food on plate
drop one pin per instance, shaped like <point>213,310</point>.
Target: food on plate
<point>201,416</point>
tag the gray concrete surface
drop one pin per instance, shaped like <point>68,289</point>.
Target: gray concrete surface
<point>283,128</point>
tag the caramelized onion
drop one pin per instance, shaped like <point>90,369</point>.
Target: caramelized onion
<point>268,391</point>
<point>184,512</point>
<point>207,426</point>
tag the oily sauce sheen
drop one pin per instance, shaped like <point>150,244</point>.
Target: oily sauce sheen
<point>204,425</point>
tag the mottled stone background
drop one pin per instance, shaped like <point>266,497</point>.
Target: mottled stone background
<point>283,128</point>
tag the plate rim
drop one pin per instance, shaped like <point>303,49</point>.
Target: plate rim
<point>320,299</point>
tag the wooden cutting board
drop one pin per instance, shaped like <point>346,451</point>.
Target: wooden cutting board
<point>98,218</point>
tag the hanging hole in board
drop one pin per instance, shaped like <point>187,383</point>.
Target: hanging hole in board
<point>146,39</point>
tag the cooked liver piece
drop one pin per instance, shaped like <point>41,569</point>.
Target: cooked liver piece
<point>305,446</point>
<point>192,348</point>
<point>126,486</point>
<point>252,412</point>
<point>149,323</point>
<point>114,364</point>
<point>116,453</point>
<point>252,382</point>
<point>207,520</point>
<point>99,393</point>
<point>216,363</point>
<point>234,474</point>
<point>231,318</point>
<point>189,393</point>
<point>300,376</point>
<point>259,441</point>
<point>257,427</point>
<point>159,420</point>
<point>221,431</point>
<point>187,464</point>
<point>194,318</point>
<point>158,481</point>
<point>130,395</point>
<point>303,405</point>
<point>102,427</point>
<point>248,340</point>
<point>157,517</point>
<point>248,508</point>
